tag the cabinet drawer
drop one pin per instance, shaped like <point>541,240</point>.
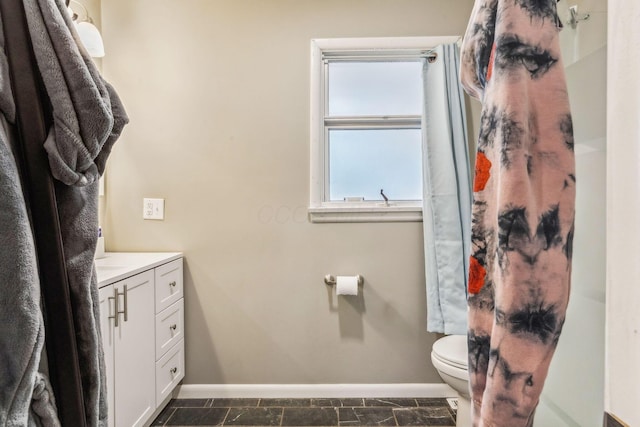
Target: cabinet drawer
<point>168,284</point>
<point>169,327</point>
<point>169,371</point>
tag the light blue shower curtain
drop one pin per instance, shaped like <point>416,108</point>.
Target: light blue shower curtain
<point>447,193</point>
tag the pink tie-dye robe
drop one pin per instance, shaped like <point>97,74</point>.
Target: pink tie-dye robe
<point>523,209</point>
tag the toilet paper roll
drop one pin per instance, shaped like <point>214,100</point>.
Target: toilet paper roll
<point>347,285</point>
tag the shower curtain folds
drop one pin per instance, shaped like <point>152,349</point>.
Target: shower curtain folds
<point>447,193</point>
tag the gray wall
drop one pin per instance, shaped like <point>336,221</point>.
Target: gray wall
<point>218,95</point>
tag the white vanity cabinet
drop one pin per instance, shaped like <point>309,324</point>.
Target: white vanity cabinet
<point>141,319</point>
<point>128,340</point>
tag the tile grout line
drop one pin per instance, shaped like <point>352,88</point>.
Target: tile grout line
<point>172,412</point>
<point>224,420</point>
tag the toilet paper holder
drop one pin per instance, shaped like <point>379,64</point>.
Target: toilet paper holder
<point>330,280</point>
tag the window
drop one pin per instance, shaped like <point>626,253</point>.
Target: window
<point>366,128</point>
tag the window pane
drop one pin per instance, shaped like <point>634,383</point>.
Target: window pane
<point>362,162</point>
<point>375,88</point>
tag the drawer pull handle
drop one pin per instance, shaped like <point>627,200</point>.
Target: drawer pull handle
<point>174,370</point>
<point>172,283</point>
<point>173,327</point>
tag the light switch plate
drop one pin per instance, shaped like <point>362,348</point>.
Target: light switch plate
<point>153,208</point>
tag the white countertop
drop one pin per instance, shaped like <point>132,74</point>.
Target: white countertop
<point>117,266</point>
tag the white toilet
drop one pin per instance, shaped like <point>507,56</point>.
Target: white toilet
<point>450,357</point>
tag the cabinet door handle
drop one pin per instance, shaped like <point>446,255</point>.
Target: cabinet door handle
<point>118,312</point>
<point>115,306</point>
<point>126,304</point>
<point>173,284</point>
<point>173,327</point>
<point>174,370</point>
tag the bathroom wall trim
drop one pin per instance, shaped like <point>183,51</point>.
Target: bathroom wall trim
<point>192,391</point>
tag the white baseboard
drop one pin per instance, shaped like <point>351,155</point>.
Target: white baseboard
<point>207,391</point>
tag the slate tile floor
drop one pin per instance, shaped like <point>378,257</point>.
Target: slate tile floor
<point>307,412</point>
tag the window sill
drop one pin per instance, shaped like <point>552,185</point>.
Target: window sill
<point>367,213</point>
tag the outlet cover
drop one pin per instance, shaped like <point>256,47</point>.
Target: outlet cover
<point>152,208</point>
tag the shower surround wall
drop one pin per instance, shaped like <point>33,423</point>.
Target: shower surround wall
<point>623,210</point>
<point>218,95</point>
<point>574,390</point>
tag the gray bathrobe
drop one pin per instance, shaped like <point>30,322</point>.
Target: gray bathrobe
<point>21,385</point>
<point>88,118</point>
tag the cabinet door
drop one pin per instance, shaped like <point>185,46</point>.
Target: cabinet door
<point>135,350</point>
<point>105,296</point>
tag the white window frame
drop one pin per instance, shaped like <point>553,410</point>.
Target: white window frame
<point>320,209</point>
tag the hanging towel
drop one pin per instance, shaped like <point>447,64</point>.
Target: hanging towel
<point>523,207</point>
<point>22,337</point>
<point>88,115</point>
<point>25,394</point>
<point>88,118</point>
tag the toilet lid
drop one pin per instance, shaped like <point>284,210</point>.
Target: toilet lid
<point>452,349</point>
